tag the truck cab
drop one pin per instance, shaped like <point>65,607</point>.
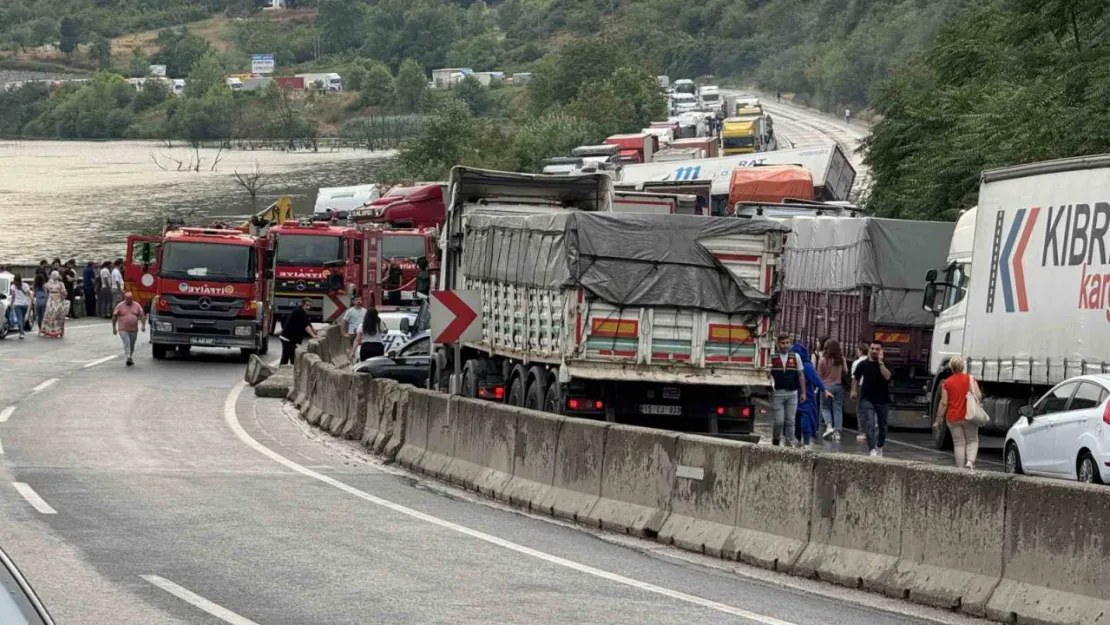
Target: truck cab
<point>419,206</point>
<point>317,261</point>
<point>945,294</point>
<point>389,250</point>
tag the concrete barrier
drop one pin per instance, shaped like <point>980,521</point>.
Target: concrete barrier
<point>257,371</point>
<point>536,437</point>
<point>1056,554</point>
<point>353,423</point>
<point>484,442</point>
<point>952,538</point>
<point>639,472</point>
<point>415,439</point>
<point>856,521</point>
<point>773,512</point>
<point>393,418</point>
<point>442,427</point>
<point>706,493</point>
<point>315,392</point>
<point>576,476</point>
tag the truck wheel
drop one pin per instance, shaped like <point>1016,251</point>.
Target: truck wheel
<point>553,401</point>
<point>516,392</point>
<point>158,352</point>
<point>536,394</point>
<point>474,371</point>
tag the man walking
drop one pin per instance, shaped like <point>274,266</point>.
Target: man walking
<point>351,320</point>
<point>126,319</point>
<point>871,382</point>
<point>789,378</point>
<point>88,288</point>
<point>294,330</point>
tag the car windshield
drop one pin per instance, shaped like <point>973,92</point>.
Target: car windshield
<point>738,142</point>
<point>393,322</point>
<point>207,261</point>
<point>402,247</point>
<point>310,250</point>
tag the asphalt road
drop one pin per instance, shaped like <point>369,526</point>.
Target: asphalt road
<point>163,494</point>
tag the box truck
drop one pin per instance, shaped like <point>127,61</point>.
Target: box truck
<point>1023,296</point>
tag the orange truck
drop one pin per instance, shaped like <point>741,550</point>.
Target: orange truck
<point>769,184</point>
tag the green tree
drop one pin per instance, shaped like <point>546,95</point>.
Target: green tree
<point>560,76</point>
<point>354,78</point>
<point>554,134</point>
<point>100,50</point>
<point>44,30</point>
<point>72,31</point>
<point>409,86</point>
<point>153,93</point>
<point>204,76</point>
<point>377,89</point>
<point>179,50</point>
<point>452,136</point>
<point>342,24</point>
<point>137,64</point>
<point>473,94</point>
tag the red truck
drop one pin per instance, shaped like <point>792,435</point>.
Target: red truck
<point>419,206</point>
<point>290,82</point>
<point>393,256</point>
<point>635,148</point>
<point>211,289</point>
<point>318,261</point>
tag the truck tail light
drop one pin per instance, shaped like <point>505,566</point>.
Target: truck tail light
<point>499,392</point>
<point>573,404</point>
<point>746,412</point>
<point>599,405</point>
<point>721,411</point>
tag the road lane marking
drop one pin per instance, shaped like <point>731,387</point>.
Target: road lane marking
<point>1,449</point>
<point>5,413</point>
<point>33,498</point>
<point>198,601</point>
<point>44,385</point>
<point>232,420</point>
<point>99,361</point>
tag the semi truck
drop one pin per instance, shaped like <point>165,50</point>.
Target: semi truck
<point>1022,295</point>
<point>747,134</point>
<point>418,206</point>
<point>857,280</point>
<point>212,290</point>
<point>326,81</point>
<point>635,148</point>
<point>662,320</point>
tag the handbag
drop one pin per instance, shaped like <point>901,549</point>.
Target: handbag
<point>975,413</point>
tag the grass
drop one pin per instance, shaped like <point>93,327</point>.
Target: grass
<point>216,30</point>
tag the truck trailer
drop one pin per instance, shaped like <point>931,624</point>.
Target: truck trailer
<point>662,320</point>
<point>1023,293</point>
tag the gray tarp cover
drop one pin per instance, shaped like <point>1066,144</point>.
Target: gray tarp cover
<point>625,259</point>
<point>889,255</point>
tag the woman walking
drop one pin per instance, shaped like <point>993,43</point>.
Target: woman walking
<point>953,405</point>
<point>57,307</point>
<point>40,298</point>
<point>20,297</point>
<point>833,368</point>
<point>371,336</point>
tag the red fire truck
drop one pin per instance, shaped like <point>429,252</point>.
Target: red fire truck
<point>393,256</point>
<point>211,289</point>
<point>318,261</point>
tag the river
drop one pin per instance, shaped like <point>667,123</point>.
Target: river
<point>80,199</point>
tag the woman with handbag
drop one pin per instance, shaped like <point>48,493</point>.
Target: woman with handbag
<point>959,398</point>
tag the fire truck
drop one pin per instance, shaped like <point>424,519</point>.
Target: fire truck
<point>393,263</point>
<point>212,289</point>
<point>318,261</point>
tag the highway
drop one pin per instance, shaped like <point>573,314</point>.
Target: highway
<point>163,493</point>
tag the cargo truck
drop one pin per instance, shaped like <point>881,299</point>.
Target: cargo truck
<point>857,280</point>
<point>662,320</point>
<point>1023,295</point>
<point>327,81</point>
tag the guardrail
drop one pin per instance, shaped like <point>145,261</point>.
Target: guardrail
<point>1009,548</point>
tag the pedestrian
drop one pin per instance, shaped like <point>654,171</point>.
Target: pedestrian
<point>40,299</point>
<point>20,297</point>
<point>104,291</point>
<point>371,336</point>
<point>43,269</point>
<point>294,330</point>
<point>127,317</point>
<point>847,116</point>
<point>861,355</point>
<point>423,278</point>
<point>54,319</point>
<point>871,383</point>
<point>117,283</point>
<point>788,376</point>
<point>392,284</point>
<point>69,277</point>
<point>953,405</point>
<point>833,369</point>
<point>351,320</point>
<point>88,288</point>
<point>807,408</point>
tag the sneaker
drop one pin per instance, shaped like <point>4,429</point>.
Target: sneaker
<point>775,442</point>
<point>880,450</point>
<point>970,466</point>
<point>130,362</point>
<point>874,453</point>
<point>829,431</point>
<point>22,336</point>
<point>836,436</point>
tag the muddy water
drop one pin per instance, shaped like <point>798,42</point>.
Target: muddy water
<point>81,199</point>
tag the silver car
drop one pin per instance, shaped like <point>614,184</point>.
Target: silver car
<point>5,306</point>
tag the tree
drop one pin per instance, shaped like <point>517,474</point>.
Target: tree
<point>452,136</point>
<point>473,94</point>
<point>409,86</point>
<point>179,50</point>
<point>554,134</point>
<point>100,50</point>
<point>153,93</point>
<point>252,182</point>
<point>378,88</point>
<point>342,24</point>
<point>72,31</point>
<point>204,75</point>
<point>45,30</point>
<point>354,78</point>
<point>626,101</point>
<point>560,76</point>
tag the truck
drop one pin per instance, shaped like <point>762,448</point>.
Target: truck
<point>667,324</point>
<point>747,134</point>
<point>1022,293</point>
<point>319,262</point>
<point>857,280</point>
<point>635,148</point>
<point>290,82</point>
<point>770,183</point>
<point>336,200</point>
<point>326,81</point>
<point>403,249</point>
<point>685,85</point>
<point>833,174</point>
<point>212,290</point>
<point>709,98</point>
<point>709,145</point>
<point>417,206</point>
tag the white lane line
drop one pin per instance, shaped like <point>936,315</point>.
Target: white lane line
<point>44,385</point>
<point>1,449</point>
<point>99,361</point>
<point>5,413</point>
<point>38,503</point>
<point>233,422</point>
<point>198,601</point>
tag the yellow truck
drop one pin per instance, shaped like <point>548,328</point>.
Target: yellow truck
<point>747,134</point>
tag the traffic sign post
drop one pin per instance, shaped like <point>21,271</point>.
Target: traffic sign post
<point>456,319</point>
<point>262,63</point>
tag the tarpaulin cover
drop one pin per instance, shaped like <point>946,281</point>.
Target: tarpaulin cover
<point>889,255</point>
<point>769,184</point>
<point>625,259</point>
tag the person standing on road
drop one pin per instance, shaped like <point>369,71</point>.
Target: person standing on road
<point>20,297</point>
<point>43,270</point>
<point>861,355</point>
<point>871,383</point>
<point>833,369</point>
<point>294,330</point>
<point>953,405</point>
<point>371,336</point>
<point>847,116</point>
<point>117,283</point>
<point>127,317</point>
<point>808,420</point>
<point>104,292</point>
<point>88,288</point>
<point>57,307</point>
<point>789,377</point>
<point>351,320</point>
<point>40,299</point>
<point>69,277</point>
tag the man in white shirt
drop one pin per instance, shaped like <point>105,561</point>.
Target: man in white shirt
<point>861,355</point>
<point>104,306</point>
<point>352,318</point>
<point>117,284</point>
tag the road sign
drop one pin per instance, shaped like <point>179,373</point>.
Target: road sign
<point>262,64</point>
<point>157,70</point>
<point>456,316</point>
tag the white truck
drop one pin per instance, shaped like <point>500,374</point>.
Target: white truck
<point>656,319</point>
<point>337,200</point>
<point>1025,295</point>
<point>326,81</point>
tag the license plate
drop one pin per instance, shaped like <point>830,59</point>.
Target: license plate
<point>674,411</point>
<point>202,340</point>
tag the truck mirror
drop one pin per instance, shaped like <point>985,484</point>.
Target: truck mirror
<point>931,275</point>
<point>336,282</point>
<point>930,299</point>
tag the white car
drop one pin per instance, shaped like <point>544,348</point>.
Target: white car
<point>399,332</point>
<point>5,287</point>
<point>1066,434</point>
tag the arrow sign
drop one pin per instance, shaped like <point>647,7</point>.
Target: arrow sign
<point>456,316</point>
